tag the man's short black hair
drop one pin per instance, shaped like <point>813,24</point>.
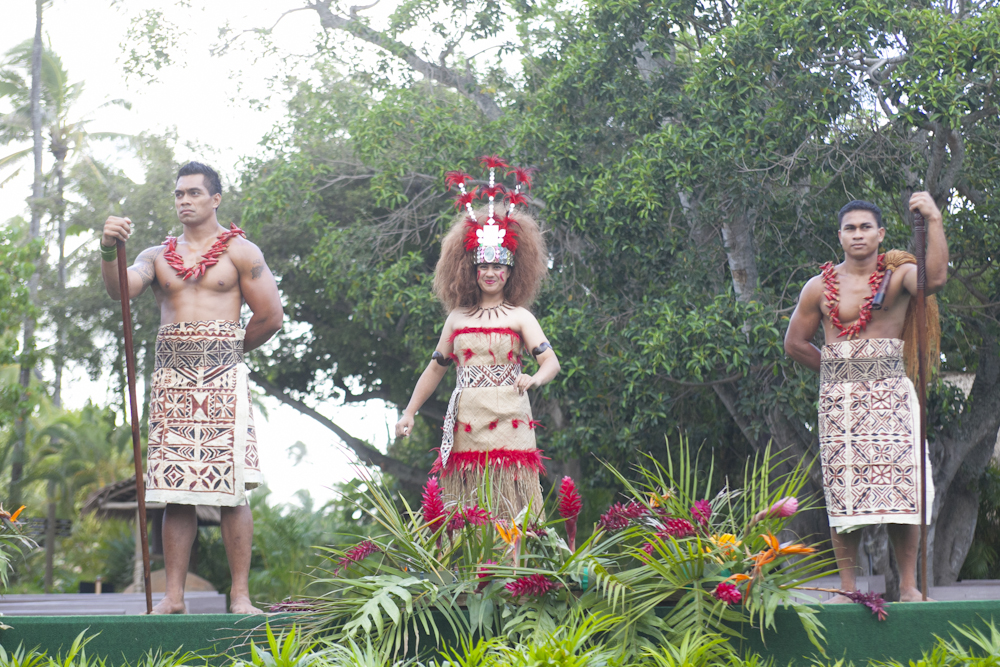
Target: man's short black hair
<point>860,205</point>
<point>211,177</point>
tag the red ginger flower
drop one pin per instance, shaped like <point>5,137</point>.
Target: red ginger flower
<point>570,501</point>
<point>477,516</point>
<point>701,511</point>
<point>785,507</point>
<point>533,585</point>
<point>483,573</point>
<point>677,528</point>
<point>453,178</point>
<point>614,519</point>
<point>432,505</point>
<point>523,175</point>
<point>570,504</point>
<point>492,162</point>
<point>356,554</point>
<point>728,593</point>
<point>456,522</point>
<point>635,510</point>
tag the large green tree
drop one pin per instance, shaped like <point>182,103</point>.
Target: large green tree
<point>693,156</point>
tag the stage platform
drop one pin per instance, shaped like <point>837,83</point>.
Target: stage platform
<point>106,604</point>
<point>852,632</point>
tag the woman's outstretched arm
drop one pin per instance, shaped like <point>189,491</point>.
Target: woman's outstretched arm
<point>429,380</point>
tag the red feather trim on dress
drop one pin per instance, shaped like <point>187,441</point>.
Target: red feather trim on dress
<point>496,458</point>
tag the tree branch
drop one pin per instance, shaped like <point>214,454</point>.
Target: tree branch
<point>408,476</point>
<point>466,85</point>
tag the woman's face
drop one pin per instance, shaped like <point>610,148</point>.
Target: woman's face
<point>491,278</point>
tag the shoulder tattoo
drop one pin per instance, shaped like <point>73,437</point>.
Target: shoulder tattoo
<point>145,268</point>
<point>256,269</point>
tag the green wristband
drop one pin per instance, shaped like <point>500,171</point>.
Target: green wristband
<point>109,253</point>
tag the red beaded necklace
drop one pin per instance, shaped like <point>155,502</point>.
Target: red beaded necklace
<point>832,294</point>
<point>210,258</point>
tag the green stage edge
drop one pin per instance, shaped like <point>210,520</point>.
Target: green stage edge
<point>126,639</point>
<point>852,633</point>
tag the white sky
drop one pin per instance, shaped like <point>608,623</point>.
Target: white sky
<point>196,97</point>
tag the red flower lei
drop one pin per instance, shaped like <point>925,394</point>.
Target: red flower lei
<point>832,293</point>
<point>210,258</point>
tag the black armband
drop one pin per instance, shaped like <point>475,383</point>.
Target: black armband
<point>440,358</point>
<point>541,348</point>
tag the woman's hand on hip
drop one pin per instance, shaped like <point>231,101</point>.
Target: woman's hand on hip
<point>525,382</point>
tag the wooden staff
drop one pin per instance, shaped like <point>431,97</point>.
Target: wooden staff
<point>140,485</point>
<point>920,252</point>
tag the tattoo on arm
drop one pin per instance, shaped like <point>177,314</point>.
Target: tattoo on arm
<point>256,269</point>
<point>145,268</point>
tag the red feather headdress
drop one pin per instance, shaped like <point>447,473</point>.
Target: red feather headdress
<point>496,240</point>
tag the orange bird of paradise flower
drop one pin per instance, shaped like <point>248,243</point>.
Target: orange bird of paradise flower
<point>11,517</point>
<point>787,548</point>
<point>509,536</point>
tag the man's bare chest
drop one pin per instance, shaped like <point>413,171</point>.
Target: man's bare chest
<point>220,279</point>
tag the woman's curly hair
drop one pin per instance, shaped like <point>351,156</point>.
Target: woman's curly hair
<point>455,276</point>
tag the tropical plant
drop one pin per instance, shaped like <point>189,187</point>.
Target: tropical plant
<point>12,543</point>
<point>21,657</point>
<point>448,575</point>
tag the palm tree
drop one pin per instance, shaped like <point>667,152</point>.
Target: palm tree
<point>67,136</point>
<point>73,453</point>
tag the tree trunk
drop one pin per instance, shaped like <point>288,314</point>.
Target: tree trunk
<point>59,149</point>
<point>959,456</point>
<point>28,349</point>
<point>737,237</point>
<point>50,535</point>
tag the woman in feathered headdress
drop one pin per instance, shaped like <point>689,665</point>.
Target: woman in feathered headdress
<point>489,430</point>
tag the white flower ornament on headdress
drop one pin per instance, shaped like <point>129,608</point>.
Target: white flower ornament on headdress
<point>494,242</point>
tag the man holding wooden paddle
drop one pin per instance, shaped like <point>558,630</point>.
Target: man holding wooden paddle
<point>202,445</point>
<point>869,415</point>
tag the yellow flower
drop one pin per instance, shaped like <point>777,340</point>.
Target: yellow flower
<point>726,542</point>
<point>510,535</point>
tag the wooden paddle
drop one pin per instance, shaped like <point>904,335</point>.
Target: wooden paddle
<point>920,252</point>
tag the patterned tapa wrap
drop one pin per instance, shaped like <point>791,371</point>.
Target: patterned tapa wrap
<point>869,435</point>
<point>202,445</point>
<point>488,429</point>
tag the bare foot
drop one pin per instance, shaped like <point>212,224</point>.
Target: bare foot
<point>241,605</point>
<point>168,606</point>
<point>912,595</point>
<point>839,599</point>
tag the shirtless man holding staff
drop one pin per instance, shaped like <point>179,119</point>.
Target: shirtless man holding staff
<point>868,417</point>
<point>202,444</point>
